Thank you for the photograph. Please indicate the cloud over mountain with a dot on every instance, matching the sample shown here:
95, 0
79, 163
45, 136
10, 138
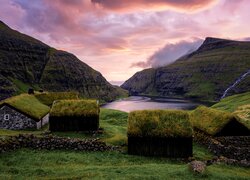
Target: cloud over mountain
169, 53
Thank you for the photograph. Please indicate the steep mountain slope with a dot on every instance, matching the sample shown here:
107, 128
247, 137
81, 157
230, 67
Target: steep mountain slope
25, 62
204, 74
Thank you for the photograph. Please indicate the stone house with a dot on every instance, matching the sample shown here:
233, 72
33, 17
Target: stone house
23, 112
16, 119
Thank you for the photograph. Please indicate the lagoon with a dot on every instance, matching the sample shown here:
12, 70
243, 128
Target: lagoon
133, 103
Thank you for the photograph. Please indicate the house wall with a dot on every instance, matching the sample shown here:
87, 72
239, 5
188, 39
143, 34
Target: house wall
74, 123
17, 121
44, 121
234, 128
161, 146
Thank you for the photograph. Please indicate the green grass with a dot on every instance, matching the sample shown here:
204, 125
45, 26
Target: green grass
31, 164
43, 164
75, 108
238, 104
24, 102
22, 87
231, 103
114, 124
210, 120
48, 98
159, 123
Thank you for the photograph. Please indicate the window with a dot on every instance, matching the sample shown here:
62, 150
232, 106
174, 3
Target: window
6, 117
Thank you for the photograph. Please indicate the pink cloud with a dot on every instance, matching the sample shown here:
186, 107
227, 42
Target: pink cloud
133, 5
110, 35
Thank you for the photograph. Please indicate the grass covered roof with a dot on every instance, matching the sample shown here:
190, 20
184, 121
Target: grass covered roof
29, 105
211, 120
49, 97
75, 108
243, 112
159, 123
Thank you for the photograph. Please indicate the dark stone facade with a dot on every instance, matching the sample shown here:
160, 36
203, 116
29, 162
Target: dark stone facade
74, 123
15, 120
161, 146
234, 128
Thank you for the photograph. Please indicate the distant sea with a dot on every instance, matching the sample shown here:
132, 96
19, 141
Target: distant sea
117, 83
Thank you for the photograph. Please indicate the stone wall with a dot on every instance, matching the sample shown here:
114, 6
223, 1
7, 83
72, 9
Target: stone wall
52, 143
234, 147
17, 121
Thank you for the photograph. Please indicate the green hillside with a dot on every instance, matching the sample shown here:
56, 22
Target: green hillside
204, 74
231, 103
239, 104
26, 62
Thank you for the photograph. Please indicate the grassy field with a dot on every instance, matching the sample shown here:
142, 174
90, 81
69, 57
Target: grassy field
28, 164
238, 104
34, 164
231, 103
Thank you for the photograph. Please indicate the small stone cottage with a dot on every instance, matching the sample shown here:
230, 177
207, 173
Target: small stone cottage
23, 112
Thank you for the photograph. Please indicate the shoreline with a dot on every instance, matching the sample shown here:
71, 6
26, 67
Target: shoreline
154, 97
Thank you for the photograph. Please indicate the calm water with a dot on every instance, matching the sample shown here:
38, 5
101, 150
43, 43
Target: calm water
139, 103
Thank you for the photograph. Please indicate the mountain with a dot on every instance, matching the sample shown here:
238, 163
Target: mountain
26, 62
204, 74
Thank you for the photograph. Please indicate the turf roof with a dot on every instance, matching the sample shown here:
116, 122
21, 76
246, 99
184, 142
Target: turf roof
49, 97
159, 123
243, 112
75, 108
211, 120
29, 105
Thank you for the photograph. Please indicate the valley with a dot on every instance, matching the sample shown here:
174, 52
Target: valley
204, 74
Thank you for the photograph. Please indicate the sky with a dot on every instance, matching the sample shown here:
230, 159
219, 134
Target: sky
121, 37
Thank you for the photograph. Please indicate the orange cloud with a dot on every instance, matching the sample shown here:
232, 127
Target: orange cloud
135, 5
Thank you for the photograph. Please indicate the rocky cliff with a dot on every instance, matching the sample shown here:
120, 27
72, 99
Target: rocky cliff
26, 62
204, 74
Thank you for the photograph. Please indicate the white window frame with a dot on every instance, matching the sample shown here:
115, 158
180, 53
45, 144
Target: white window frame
6, 117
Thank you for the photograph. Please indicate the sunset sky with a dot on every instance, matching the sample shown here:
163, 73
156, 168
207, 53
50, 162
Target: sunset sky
121, 37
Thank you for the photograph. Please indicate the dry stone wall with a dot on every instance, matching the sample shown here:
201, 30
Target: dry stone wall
235, 148
53, 143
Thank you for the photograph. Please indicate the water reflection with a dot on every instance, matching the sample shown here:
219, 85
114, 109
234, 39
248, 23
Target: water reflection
139, 103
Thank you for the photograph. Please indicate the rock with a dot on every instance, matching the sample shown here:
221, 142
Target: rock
198, 166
